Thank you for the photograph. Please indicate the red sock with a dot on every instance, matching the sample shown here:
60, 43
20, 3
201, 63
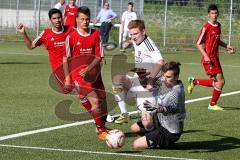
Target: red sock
96, 114
86, 104
98, 117
215, 96
204, 82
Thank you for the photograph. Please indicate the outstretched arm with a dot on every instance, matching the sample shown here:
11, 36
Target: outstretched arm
27, 40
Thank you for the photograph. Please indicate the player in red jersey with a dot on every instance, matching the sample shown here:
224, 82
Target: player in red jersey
54, 40
82, 66
208, 43
70, 13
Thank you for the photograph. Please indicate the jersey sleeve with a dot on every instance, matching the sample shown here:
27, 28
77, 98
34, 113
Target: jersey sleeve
202, 36
123, 16
156, 54
65, 12
99, 15
113, 14
40, 39
98, 47
134, 16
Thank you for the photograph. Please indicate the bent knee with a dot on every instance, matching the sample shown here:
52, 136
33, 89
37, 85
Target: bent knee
140, 143
135, 128
220, 84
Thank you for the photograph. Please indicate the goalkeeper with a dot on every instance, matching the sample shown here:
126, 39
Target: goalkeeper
164, 125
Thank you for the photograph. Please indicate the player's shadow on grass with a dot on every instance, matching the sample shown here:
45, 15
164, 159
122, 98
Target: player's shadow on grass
131, 134
20, 63
222, 144
231, 108
192, 131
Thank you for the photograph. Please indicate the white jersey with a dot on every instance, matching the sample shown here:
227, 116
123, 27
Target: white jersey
127, 17
60, 7
146, 54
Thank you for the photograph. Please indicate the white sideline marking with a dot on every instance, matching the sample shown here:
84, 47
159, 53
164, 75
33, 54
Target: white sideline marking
93, 152
21, 134
209, 97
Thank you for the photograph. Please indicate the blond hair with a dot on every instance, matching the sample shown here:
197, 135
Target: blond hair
137, 24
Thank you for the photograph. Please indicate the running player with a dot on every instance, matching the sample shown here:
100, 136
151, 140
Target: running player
208, 43
70, 13
54, 39
82, 66
148, 63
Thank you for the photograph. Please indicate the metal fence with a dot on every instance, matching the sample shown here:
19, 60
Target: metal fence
172, 24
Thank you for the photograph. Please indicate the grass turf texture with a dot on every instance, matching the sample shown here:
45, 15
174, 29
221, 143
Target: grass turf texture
28, 103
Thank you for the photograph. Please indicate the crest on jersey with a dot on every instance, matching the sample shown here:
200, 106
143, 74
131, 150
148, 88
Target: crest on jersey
138, 59
139, 53
78, 43
52, 39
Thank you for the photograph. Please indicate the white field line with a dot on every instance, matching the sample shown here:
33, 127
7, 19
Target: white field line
21, 134
94, 152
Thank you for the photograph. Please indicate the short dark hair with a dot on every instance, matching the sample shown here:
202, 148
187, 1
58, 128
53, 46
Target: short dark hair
172, 66
54, 11
85, 10
130, 3
212, 7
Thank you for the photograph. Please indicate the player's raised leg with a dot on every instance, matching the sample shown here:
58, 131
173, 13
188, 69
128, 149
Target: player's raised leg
120, 85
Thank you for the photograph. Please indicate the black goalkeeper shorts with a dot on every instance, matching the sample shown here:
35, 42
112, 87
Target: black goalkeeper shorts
159, 137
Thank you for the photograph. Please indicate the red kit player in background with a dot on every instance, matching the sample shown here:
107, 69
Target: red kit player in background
208, 43
70, 13
54, 40
82, 67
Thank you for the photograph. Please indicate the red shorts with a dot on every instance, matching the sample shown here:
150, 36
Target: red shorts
213, 68
84, 87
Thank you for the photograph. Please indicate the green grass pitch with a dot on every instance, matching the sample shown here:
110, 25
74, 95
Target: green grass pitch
28, 103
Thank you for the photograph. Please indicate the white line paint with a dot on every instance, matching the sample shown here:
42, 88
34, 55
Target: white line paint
21, 134
94, 152
209, 97
44, 130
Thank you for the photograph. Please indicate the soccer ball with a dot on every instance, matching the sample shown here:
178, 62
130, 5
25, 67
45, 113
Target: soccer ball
115, 139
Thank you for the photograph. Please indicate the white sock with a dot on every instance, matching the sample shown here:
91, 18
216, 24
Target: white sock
122, 106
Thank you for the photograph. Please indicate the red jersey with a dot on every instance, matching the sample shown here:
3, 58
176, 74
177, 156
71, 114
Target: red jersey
210, 37
82, 50
70, 14
54, 43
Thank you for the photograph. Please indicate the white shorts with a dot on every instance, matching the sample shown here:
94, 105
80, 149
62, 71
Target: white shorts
140, 93
125, 35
